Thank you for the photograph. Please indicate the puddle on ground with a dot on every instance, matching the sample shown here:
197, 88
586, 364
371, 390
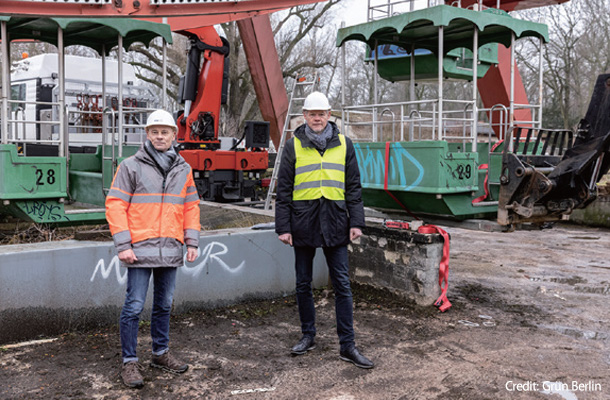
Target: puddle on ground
584, 237
569, 281
577, 333
605, 290
598, 266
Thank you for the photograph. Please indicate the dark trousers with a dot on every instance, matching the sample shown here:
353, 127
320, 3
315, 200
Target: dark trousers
336, 258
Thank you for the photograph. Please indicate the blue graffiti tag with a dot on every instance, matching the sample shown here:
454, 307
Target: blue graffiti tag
372, 166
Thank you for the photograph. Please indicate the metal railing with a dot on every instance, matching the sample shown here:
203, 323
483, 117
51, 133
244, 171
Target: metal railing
379, 9
415, 119
111, 142
535, 110
502, 124
14, 122
22, 130
89, 133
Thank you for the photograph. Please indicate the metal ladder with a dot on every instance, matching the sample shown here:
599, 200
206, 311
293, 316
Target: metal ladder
300, 89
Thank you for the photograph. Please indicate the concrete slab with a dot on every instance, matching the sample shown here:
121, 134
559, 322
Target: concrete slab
54, 287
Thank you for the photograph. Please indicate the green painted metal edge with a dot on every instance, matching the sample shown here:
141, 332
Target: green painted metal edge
429, 177
456, 206
30, 177
90, 32
457, 64
421, 29
87, 187
50, 212
426, 67
487, 54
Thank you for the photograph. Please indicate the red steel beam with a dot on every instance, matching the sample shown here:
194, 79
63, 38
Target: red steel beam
494, 87
210, 13
259, 46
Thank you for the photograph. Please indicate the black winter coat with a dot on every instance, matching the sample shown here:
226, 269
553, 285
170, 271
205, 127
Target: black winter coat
320, 222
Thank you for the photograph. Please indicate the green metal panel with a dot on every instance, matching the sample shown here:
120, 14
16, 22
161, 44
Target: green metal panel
49, 212
86, 179
34, 188
421, 167
428, 177
457, 64
420, 28
86, 187
394, 63
31, 177
41, 211
90, 162
90, 32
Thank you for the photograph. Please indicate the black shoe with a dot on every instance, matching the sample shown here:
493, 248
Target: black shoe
305, 344
353, 355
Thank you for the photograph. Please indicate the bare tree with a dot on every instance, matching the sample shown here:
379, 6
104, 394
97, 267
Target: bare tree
148, 63
242, 104
360, 79
304, 37
577, 52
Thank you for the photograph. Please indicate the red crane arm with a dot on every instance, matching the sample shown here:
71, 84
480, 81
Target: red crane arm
202, 86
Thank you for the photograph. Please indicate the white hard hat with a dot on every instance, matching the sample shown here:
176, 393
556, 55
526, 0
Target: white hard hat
161, 117
316, 101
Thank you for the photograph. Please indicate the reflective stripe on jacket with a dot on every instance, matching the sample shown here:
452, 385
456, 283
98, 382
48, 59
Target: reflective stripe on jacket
318, 175
151, 213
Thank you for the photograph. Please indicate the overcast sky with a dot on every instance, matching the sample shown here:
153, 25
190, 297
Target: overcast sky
354, 11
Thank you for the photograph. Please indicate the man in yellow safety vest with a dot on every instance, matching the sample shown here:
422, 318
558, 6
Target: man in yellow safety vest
319, 204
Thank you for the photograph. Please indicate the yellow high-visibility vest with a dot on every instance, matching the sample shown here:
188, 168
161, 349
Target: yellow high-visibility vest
319, 175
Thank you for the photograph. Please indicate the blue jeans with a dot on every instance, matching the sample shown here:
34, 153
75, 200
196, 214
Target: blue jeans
336, 258
164, 281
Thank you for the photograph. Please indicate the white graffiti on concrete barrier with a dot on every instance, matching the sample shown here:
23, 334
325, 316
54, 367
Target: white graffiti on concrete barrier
114, 263
211, 252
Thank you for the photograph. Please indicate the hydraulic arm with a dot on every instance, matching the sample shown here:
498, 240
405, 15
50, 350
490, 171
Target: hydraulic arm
551, 173
222, 172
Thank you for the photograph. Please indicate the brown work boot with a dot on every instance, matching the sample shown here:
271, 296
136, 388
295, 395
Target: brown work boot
130, 373
169, 363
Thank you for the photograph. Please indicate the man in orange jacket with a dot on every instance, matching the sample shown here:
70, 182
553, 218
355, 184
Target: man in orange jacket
153, 210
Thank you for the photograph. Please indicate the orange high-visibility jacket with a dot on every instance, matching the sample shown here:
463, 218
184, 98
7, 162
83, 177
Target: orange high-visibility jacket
152, 214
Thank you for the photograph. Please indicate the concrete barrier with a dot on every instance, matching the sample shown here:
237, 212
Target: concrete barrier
54, 287
402, 261
596, 213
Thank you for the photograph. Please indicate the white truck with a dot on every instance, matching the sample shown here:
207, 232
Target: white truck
34, 80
